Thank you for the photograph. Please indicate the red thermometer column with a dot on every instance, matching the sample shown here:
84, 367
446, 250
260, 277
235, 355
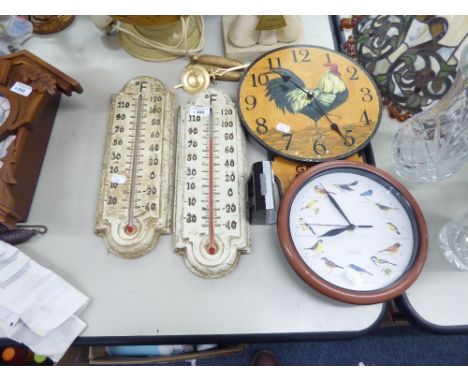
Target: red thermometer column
212, 247
134, 165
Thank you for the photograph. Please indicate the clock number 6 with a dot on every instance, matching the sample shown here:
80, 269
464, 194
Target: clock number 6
319, 148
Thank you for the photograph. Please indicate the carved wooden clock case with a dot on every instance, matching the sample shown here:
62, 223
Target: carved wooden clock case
31, 90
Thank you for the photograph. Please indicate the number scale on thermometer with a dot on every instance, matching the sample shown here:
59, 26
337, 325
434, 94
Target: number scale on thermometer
135, 199
211, 229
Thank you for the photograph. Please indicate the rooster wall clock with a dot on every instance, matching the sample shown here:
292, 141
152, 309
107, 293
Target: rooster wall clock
309, 104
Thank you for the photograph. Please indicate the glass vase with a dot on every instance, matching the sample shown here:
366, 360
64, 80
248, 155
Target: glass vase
453, 239
433, 145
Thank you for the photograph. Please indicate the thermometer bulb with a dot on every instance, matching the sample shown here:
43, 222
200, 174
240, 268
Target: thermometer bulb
212, 249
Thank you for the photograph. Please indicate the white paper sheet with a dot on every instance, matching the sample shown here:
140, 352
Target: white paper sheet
37, 307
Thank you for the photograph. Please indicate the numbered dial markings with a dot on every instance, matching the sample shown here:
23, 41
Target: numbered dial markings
211, 230
136, 189
309, 103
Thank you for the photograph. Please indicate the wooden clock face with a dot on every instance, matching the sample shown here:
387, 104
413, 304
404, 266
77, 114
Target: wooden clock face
352, 232
4, 109
309, 104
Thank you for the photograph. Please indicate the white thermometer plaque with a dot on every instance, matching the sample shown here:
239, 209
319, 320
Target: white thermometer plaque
211, 228
135, 199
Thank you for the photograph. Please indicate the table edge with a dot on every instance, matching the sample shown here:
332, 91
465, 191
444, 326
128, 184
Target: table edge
221, 339
404, 304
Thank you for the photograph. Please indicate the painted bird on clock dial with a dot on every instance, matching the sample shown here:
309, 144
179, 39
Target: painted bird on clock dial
291, 94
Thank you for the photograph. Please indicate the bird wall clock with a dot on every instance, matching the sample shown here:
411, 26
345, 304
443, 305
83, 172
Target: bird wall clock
353, 232
309, 104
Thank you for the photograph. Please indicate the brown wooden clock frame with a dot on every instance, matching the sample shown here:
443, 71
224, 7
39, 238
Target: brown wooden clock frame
313, 279
31, 119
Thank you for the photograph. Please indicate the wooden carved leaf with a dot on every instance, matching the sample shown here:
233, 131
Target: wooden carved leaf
38, 79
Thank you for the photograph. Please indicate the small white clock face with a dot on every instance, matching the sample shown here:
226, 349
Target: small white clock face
4, 109
372, 248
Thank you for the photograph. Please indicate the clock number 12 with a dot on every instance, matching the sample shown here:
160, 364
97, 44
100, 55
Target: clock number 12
301, 55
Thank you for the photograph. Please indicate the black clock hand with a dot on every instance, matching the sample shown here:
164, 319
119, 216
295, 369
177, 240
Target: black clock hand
338, 225
337, 130
287, 78
335, 204
337, 231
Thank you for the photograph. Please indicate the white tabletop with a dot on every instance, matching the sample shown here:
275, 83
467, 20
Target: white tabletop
156, 295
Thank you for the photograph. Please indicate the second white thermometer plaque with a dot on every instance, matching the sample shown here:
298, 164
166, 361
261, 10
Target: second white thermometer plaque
211, 228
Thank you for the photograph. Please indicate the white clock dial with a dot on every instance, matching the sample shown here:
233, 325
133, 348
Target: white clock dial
4, 109
368, 248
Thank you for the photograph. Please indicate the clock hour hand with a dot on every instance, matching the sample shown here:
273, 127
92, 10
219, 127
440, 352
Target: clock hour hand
287, 78
337, 231
335, 204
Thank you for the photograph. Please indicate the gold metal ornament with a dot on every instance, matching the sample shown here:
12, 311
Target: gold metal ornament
195, 78
50, 24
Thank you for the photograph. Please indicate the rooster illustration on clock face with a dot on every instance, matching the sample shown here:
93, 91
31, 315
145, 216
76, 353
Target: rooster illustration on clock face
309, 103
290, 93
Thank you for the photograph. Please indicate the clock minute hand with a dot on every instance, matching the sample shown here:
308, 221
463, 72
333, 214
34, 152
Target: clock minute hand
335, 204
333, 125
339, 225
337, 130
